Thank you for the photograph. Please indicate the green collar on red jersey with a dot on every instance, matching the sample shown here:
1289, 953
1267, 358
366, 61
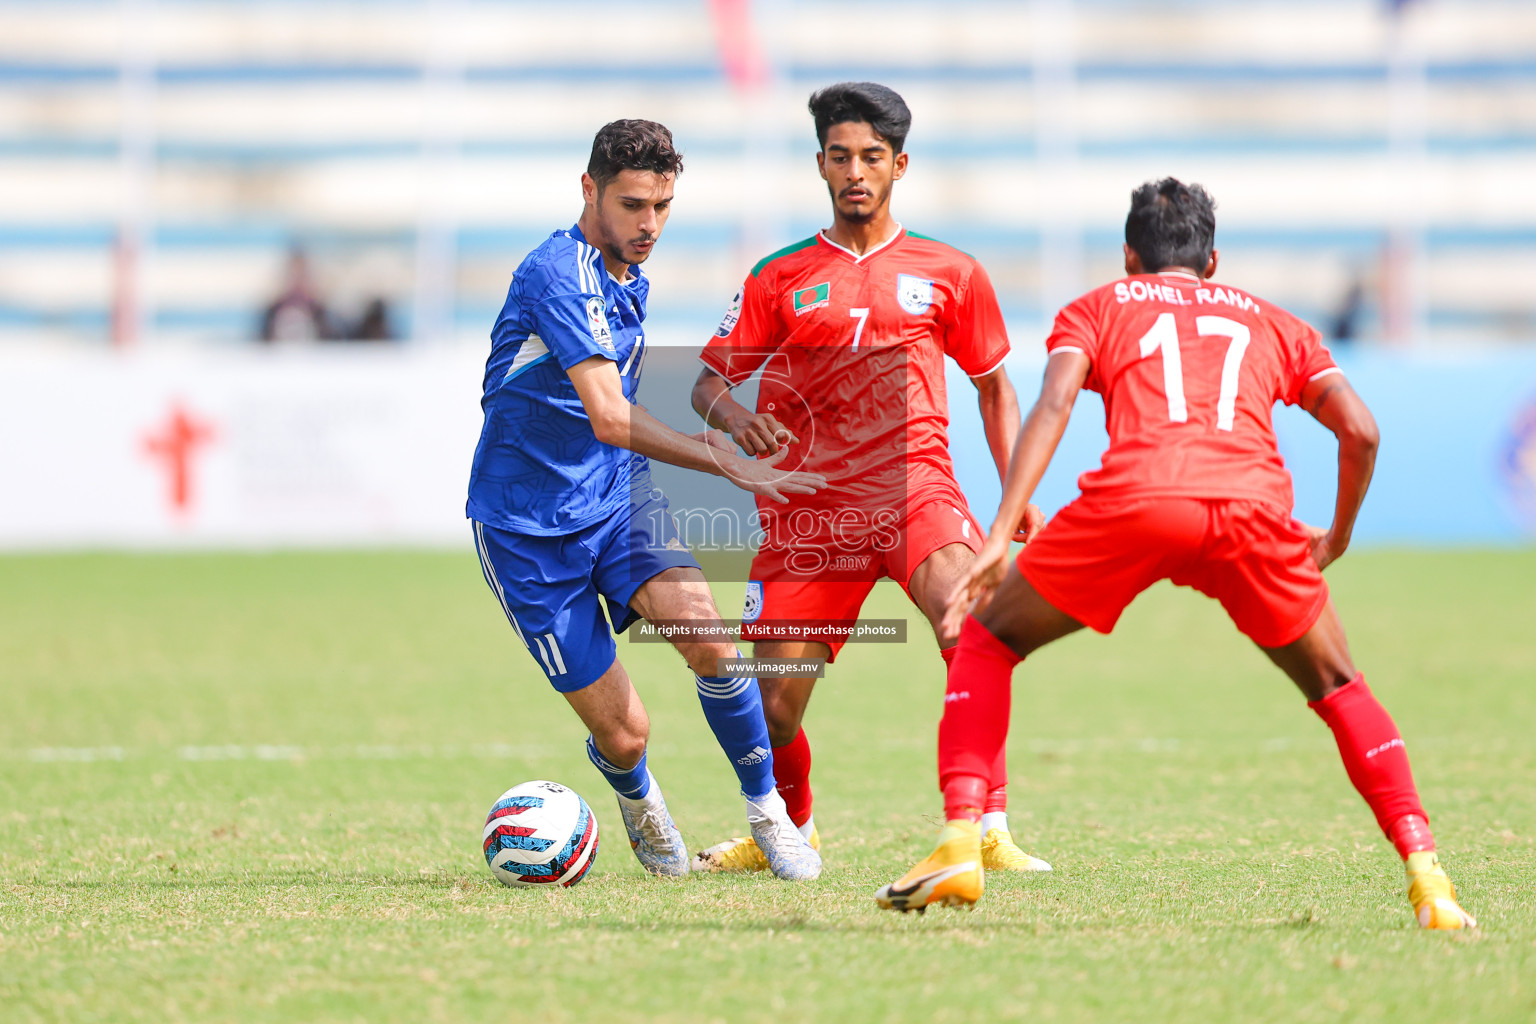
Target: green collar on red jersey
793, 247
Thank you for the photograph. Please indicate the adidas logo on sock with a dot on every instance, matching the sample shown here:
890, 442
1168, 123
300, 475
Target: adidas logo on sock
757, 756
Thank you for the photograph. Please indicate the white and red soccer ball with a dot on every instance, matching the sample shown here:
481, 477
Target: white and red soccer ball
540, 833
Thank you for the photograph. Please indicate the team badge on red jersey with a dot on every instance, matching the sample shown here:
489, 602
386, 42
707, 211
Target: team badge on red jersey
814, 297
914, 293
753, 606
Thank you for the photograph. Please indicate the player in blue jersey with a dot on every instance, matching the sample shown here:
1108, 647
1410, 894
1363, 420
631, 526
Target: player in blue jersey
566, 518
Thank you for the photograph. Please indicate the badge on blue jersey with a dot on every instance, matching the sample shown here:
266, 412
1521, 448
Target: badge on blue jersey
597, 320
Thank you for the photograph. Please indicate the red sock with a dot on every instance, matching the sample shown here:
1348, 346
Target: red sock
1411, 834
997, 784
1377, 763
964, 796
975, 723
792, 776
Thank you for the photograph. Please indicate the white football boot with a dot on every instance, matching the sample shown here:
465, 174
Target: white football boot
790, 854
657, 843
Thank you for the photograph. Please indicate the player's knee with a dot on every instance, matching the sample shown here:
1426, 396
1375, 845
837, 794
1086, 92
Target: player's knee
1315, 674
781, 734
782, 716
632, 748
705, 659
624, 744
1332, 677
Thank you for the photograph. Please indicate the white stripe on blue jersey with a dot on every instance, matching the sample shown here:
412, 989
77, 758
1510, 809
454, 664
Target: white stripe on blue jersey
532, 350
587, 263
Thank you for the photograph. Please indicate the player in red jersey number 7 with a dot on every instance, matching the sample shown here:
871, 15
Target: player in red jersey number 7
848, 333
1191, 489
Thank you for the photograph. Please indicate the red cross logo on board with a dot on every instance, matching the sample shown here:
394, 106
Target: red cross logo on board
173, 445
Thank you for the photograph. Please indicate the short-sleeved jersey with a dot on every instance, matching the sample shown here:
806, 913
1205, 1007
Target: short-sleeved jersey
539, 468
852, 353
1190, 372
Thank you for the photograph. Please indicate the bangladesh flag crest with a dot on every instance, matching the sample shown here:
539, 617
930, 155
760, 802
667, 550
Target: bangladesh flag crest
813, 297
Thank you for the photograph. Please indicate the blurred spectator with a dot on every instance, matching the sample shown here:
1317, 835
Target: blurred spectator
373, 325
297, 314
1346, 322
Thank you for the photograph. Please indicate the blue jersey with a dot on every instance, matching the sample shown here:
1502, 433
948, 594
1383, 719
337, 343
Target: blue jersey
539, 468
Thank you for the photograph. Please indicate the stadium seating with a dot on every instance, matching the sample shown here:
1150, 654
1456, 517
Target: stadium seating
358, 128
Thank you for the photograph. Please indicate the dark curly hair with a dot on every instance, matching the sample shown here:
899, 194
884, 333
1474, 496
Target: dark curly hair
1171, 224
630, 145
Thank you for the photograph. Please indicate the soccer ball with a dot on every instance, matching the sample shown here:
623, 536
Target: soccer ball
540, 833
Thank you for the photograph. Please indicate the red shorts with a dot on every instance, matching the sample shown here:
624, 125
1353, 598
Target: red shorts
1095, 556
829, 581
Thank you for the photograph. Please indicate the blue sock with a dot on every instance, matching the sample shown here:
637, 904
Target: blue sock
631, 784
734, 709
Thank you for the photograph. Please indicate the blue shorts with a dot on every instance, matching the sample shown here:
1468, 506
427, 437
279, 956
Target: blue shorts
553, 588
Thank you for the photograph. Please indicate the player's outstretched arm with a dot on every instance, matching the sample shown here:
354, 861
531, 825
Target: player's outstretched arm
1334, 404
1043, 427
999, 406
756, 433
617, 422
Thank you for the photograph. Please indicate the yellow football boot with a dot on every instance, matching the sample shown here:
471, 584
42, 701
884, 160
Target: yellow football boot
740, 854
950, 876
1000, 853
1433, 896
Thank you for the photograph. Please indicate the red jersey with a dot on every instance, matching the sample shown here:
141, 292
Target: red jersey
1190, 372
852, 352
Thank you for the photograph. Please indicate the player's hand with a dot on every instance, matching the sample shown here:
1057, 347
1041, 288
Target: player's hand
715, 439
760, 434
976, 588
762, 476
1326, 548
1030, 525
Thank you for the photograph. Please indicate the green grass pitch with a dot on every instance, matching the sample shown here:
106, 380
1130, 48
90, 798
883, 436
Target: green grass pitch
251, 788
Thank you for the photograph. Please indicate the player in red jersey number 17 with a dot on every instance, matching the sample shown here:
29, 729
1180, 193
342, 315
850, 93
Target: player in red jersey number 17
1191, 489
